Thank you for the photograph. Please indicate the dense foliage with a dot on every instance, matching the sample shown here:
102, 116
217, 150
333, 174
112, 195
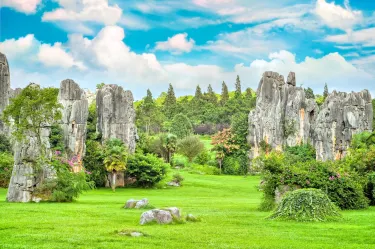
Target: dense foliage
344, 187
306, 205
32, 109
5, 145
208, 111
146, 169
181, 126
67, 186
6, 167
373, 109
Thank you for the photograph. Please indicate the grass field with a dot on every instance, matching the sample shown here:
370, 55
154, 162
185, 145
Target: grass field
226, 204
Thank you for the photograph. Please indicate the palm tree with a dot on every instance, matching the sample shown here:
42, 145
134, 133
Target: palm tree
115, 158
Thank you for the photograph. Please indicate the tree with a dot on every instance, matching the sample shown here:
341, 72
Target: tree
238, 92
115, 158
148, 115
32, 110
211, 96
249, 93
100, 86
326, 92
223, 143
190, 147
170, 103
224, 94
165, 146
181, 126
309, 93
239, 129
198, 93
373, 108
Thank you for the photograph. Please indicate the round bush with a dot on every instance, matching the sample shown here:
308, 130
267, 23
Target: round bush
306, 205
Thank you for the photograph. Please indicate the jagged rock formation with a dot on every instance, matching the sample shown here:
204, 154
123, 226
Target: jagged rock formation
4, 87
27, 175
283, 116
74, 117
342, 115
116, 115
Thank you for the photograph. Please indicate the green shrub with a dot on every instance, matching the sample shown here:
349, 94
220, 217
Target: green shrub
203, 157
235, 165
67, 186
179, 161
6, 167
301, 153
190, 147
177, 178
370, 188
146, 169
344, 188
306, 205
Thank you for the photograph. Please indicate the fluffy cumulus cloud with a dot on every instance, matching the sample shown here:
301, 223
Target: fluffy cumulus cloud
25, 6
73, 14
176, 44
56, 56
336, 16
16, 47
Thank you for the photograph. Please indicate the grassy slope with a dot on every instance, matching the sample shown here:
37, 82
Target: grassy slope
227, 205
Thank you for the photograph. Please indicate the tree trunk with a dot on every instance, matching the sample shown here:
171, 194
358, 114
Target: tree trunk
113, 185
220, 163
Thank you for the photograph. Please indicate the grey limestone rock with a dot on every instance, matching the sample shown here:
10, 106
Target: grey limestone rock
116, 115
282, 116
28, 171
136, 204
285, 117
25, 177
342, 116
161, 216
4, 87
74, 117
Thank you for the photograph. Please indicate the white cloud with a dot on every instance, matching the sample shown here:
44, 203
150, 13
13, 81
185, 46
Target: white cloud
253, 42
56, 56
25, 6
176, 44
336, 16
98, 11
16, 47
363, 37
134, 22
107, 58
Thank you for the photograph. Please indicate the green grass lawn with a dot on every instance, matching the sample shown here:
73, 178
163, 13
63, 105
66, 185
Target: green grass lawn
226, 204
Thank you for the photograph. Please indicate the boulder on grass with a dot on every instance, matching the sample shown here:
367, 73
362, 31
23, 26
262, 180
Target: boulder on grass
160, 216
136, 204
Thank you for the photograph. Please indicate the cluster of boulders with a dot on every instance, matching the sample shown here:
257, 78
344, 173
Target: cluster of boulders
160, 216
285, 117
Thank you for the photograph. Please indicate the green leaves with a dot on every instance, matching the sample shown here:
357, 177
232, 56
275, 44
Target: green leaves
32, 109
306, 205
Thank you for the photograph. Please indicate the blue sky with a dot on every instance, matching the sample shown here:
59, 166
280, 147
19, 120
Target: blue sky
149, 44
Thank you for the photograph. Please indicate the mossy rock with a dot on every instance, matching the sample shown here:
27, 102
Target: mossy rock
306, 205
